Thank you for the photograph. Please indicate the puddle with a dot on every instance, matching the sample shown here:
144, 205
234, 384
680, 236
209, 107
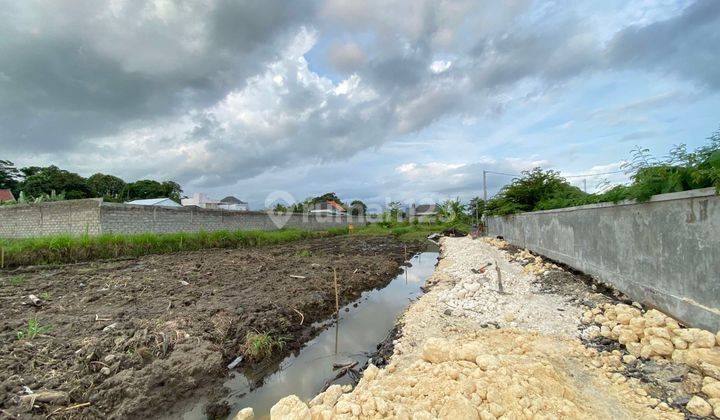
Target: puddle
357, 334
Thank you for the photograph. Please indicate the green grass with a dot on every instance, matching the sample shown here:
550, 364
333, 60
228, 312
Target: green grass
305, 253
404, 232
32, 330
261, 345
68, 249
16, 280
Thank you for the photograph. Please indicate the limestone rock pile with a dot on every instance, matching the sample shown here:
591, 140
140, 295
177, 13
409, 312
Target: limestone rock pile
500, 374
497, 243
478, 296
654, 335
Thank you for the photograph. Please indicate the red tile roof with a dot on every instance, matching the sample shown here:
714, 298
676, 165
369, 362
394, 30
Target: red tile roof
6, 195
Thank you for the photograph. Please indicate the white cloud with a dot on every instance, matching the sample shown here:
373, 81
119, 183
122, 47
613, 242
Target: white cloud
440, 66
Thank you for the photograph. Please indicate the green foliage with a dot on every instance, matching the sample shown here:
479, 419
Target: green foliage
454, 211
679, 171
35, 184
258, 345
305, 253
357, 207
107, 186
533, 190
147, 188
67, 249
32, 330
49, 180
331, 196
9, 176
16, 280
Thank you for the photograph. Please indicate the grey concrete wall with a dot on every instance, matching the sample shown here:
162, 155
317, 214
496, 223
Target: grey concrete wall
73, 217
124, 218
664, 253
92, 216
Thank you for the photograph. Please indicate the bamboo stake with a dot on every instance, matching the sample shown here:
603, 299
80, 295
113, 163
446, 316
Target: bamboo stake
499, 277
337, 299
2, 257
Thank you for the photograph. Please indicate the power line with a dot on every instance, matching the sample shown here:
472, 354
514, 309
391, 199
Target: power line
564, 176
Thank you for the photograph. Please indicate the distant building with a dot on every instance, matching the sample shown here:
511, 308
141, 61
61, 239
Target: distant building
161, 202
6, 195
424, 212
200, 200
203, 201
233, 204
328, 207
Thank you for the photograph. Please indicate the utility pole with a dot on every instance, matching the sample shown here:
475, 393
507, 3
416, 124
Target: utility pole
585, 185
484, 185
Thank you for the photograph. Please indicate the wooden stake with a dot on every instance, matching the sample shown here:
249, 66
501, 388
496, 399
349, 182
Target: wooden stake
337, 299
2, 257
497, 270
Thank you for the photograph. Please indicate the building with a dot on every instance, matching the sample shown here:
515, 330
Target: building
328, 207
424, 212
200, 200
233, 204
161, 202
6, 195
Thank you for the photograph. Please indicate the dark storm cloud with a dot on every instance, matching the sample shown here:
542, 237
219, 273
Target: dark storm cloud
70, 78
214, 92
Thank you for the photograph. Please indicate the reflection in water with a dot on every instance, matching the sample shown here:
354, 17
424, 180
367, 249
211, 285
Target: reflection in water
357, 333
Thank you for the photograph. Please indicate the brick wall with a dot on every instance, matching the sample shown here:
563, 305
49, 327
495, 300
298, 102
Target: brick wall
74, 217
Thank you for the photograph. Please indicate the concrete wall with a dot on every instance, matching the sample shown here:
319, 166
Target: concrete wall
664, 253
75, 217
93, 216
123, 218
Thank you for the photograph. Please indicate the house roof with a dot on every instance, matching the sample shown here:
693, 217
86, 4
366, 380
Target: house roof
232, 200
6, 195
152, 201
426, 208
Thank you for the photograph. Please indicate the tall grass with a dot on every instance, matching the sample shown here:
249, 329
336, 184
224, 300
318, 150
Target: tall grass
67, 249
403, 231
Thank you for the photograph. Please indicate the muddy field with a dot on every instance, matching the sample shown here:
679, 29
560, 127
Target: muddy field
131, 338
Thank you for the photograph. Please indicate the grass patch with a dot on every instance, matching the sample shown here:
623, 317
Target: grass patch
32, 330
68, 249
16, 280
261, 345
404, 231
305, 253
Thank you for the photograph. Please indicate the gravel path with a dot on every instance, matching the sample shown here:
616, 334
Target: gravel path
452, 361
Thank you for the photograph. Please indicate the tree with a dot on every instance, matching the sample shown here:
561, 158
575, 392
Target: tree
107, 186
453, 211
534, 190
147, 188
331, 196
280, 208
357, 207
476, 207
49, 180
9, 176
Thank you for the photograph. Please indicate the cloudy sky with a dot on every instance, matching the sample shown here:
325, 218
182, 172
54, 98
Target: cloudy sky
376, 100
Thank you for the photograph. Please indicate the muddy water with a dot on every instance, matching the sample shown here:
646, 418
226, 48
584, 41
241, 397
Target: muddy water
362, 325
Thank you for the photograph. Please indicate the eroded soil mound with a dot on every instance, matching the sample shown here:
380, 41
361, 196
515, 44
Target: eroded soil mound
129, 338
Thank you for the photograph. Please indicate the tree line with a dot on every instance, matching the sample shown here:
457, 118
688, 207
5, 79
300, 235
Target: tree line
680, 170
50, 183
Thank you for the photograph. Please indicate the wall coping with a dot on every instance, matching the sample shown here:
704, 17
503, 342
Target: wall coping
99, 202
697, 193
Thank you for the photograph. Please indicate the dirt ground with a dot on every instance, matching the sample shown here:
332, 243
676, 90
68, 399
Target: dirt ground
129, 338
